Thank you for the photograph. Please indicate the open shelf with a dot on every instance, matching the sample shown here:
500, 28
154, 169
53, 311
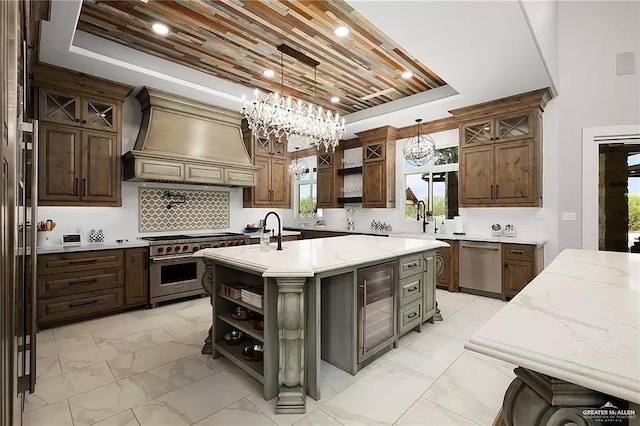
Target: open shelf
245, 326
234, 354
347, 200
242, 303
350, 171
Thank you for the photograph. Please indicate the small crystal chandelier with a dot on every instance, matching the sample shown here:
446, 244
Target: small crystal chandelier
274, 115
298, 168
419, 149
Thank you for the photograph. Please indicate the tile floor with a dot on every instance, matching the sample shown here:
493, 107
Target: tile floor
145, 368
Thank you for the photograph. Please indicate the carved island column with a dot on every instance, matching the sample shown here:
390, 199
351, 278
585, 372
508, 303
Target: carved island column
291, 341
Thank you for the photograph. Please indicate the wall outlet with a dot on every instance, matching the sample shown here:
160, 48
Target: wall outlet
568, 216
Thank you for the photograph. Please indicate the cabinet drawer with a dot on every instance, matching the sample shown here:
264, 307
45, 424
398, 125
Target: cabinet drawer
83, 261
78, 282
517, 252
409, 316
410, 265
65, 307
409, 289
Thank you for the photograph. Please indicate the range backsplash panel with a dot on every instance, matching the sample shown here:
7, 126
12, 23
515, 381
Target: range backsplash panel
201, 210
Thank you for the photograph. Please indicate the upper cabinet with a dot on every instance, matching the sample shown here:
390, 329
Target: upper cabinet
378, 167
501, 151
273, 186
80, 138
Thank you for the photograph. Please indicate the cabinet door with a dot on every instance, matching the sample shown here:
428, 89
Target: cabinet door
373, 183
515, 181
100, 114
136, 283
262, 190
516, 275
100, 168
59, 164
278, 147
477, 133
373, 151
429, 282
325, 188
476, 176
262, 145
59, 107
280, 183
514, 127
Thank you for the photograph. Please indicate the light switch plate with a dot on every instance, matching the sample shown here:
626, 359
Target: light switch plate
568, 216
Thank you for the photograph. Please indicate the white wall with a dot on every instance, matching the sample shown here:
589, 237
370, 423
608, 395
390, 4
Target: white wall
542, 18
591, 94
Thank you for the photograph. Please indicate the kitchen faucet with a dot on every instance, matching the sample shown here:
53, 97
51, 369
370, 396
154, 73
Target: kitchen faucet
279, 228
424, 215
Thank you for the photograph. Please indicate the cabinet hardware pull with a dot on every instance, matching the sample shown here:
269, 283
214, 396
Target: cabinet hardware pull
517, 251
497, 192
75, 305
413, 315
77, 120
84, 121
75, 186
364, 293
84, 187
413, 264
414, 288
83, 281
492, 192
81, 262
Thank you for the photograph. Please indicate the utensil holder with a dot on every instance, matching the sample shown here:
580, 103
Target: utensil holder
45, 238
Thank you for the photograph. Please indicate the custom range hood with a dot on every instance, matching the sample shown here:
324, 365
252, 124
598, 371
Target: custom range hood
186, 141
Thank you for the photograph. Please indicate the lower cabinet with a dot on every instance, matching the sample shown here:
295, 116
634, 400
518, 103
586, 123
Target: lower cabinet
416, 290
520, 265
81, 285
429, 293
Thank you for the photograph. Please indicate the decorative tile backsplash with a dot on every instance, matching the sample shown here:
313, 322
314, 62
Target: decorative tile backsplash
201, 210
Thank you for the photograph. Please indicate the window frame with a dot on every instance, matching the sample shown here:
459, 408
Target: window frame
312, 162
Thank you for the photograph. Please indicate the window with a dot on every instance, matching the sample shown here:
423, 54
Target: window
435, 183
306, 190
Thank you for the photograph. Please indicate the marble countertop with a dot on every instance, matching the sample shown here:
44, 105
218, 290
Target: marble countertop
304, 258
111, 245
338, 229
472, 237
285, 233
579, 321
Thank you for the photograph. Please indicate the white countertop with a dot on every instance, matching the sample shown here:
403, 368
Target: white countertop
338, 229
284, 234
471, 237
304, 258
577, 321
112, 245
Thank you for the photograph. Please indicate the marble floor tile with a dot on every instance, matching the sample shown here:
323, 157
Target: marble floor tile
449, 306
45, 336
472, 388
317, 418
111, 348
33, 402
126, 418
491, 359
145, 324
85, 326
216, 364
241, 413
382, 396
148, 358
430, 354
65, 344
461, 325
134, 315
197, 310
106, 401
269, 409
73, 383
198, 400
424, 412
47, 367
484, 307
462, 297
169, 377
177, 306
56, 414
193, 325
334, 380
196, 340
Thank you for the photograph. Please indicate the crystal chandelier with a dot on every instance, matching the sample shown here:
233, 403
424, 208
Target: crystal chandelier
419, 149
272, 114
298, 168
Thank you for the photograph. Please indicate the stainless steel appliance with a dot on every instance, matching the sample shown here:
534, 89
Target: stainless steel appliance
174, 273
481, 268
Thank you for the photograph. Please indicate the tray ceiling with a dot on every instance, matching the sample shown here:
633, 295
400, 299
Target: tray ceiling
237, 40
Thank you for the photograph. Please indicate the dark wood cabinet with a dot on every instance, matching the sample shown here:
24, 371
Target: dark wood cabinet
379, 167
477, 173
515, 180
60, 162
326, 191
100, 168
136, 283
447, 266
520, 265
280, 183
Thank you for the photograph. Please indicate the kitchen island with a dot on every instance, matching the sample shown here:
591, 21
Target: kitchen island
574, 332
340, 299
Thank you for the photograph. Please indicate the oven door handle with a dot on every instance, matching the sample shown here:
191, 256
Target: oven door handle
179, 257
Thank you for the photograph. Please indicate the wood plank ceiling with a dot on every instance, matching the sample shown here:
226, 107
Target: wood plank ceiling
237, 40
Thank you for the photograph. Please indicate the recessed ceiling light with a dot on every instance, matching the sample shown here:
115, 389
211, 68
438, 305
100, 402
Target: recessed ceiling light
268, 73
335, 100
341, 31
407, 74
160, 28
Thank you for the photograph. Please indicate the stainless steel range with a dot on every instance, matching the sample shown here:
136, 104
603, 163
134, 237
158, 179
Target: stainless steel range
174, 273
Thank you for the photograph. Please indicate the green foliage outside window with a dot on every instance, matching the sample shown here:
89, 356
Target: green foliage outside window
634, 212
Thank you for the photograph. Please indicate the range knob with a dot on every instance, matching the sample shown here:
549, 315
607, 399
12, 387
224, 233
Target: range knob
160, 249
185, 248
235, 242
195, 248
223, 244
177, 248
169, 249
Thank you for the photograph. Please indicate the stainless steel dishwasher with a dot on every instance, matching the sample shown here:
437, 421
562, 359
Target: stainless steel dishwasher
481, 268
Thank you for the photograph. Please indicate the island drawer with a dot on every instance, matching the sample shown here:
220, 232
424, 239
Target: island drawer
518, 252
79, 282
409, 316
65, 307
409, 289
64, 263
410, 265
